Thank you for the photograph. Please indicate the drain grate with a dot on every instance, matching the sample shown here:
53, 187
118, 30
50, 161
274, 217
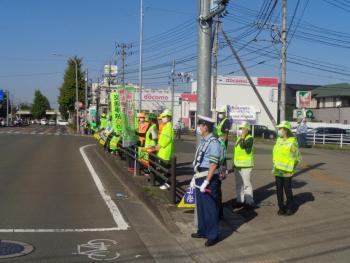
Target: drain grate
11, 249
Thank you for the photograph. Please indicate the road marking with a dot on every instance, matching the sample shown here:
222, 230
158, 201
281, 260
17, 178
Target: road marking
99, 249
117, 216
55, 230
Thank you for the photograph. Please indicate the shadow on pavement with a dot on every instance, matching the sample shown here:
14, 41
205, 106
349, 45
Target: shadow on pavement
302, 198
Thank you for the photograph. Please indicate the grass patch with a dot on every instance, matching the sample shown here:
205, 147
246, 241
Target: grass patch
155, 194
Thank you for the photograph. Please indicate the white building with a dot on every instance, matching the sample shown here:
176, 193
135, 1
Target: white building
236, 91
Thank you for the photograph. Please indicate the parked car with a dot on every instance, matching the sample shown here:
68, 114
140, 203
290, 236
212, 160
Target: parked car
62, 122
264, 132
44, 122
331, 135
52, 122
327, 130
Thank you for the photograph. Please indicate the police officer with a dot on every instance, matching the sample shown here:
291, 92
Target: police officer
206, 181
243, 162
286, 157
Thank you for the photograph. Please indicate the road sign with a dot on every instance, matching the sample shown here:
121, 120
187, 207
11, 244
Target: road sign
2, 94
309, 114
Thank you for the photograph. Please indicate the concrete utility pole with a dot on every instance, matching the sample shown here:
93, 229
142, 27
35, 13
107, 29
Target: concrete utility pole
123, 53
86, 92
141, 57
282, 102
172, 91
7, 107
204, 59
76, 93
249, 79
215, 64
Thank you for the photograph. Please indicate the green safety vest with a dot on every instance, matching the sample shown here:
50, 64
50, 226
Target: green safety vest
286, 154
240, 157
103, 123
218, 129
150, 142
166, 142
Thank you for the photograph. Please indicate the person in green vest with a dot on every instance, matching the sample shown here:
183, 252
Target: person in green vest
165, 146
93, 126
223, 125
286, 156
103, 121
243, 163
151, 138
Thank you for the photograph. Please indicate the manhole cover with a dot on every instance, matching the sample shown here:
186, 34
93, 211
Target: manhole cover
11, 249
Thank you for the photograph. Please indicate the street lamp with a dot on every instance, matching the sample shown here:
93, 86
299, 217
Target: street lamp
76, 87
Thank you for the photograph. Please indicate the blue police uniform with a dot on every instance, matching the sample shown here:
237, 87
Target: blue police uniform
207, 203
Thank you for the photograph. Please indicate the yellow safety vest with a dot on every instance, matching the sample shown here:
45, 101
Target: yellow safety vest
240, 157
150, 142
218, 129
166, 142
286, 154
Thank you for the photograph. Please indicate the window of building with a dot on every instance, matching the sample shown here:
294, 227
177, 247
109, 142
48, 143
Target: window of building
323, 102
334, 102
330, 121
345, 121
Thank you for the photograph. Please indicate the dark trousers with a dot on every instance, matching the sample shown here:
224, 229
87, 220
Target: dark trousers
208, 209
284, 186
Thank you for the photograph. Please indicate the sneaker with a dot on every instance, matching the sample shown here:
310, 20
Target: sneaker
211, 242
281, 212
197, 235
289, 212
164, 186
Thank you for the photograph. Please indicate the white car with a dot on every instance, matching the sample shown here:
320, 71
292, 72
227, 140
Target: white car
52, 122
43, 122
62, 122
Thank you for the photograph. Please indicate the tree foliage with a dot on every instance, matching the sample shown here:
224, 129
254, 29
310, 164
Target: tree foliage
40, 105
67, 96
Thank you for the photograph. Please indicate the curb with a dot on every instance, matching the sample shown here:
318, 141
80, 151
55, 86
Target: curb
136, 186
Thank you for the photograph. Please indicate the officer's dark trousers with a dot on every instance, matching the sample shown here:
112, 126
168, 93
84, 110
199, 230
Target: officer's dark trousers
284, 185
208, 209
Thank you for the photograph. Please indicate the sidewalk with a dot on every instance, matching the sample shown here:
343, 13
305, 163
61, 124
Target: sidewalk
318, 232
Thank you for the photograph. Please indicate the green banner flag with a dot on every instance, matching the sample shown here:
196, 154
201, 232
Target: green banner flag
117, 119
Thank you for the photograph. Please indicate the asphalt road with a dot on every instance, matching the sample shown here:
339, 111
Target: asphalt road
66, 201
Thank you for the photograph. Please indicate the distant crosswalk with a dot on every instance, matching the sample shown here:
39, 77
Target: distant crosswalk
38, 131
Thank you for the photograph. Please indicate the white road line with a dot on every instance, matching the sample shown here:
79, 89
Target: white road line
55, 230
117, 216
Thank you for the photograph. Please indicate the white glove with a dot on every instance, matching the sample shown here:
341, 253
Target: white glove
193, 183
204, 185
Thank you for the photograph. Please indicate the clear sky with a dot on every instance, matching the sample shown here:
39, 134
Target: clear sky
32, 30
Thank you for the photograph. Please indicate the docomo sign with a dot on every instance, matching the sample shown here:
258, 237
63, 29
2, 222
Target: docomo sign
259, 81
156, 97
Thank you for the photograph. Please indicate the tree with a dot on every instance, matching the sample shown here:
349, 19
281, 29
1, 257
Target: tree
40, 105
67, 96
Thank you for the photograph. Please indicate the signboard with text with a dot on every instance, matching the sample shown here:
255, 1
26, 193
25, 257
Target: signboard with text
239, 113
303, 99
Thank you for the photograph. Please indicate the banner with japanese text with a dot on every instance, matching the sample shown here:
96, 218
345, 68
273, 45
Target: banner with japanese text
117, 119
127, 108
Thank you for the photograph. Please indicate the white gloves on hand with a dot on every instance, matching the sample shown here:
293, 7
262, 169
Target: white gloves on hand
204, 185
193, 183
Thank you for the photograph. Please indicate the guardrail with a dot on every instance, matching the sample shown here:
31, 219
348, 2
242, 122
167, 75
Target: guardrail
159, 169
338, 139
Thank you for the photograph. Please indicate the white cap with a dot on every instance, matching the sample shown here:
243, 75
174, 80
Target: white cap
206, 119
222, 109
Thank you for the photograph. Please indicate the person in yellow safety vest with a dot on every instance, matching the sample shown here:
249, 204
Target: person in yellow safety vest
286, 156
160, 124
103, 121
151, 138
222, 129
243, 162
142, 128
165, 146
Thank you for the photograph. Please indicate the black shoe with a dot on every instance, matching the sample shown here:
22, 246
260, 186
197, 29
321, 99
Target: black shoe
281, 212
289, 212
211, 242
197, 235
239, 205
251, 206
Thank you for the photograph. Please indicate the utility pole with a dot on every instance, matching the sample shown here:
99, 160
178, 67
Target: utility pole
98, 101
215, 64
7, 107
86, 92
282, 102
249, 79
204, 58
76, 93
123, 53
141, 57
172, 91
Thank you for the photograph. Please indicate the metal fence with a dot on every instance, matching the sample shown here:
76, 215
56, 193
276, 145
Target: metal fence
337, 139
159, 169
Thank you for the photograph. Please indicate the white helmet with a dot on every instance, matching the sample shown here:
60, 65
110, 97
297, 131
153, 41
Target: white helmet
222, 109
